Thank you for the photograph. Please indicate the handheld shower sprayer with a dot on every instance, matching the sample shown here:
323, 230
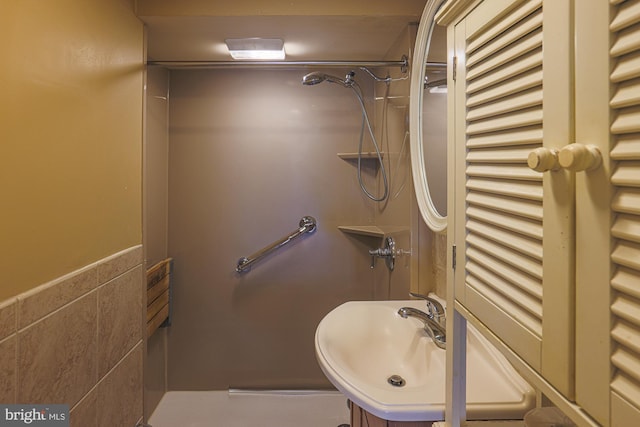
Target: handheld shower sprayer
314, 78
317, 77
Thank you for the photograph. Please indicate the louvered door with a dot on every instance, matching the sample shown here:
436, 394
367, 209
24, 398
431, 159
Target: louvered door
550, 260
608, 211
516, 229
625, 179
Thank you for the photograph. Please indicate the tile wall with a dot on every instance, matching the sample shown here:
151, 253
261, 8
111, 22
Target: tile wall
78, 340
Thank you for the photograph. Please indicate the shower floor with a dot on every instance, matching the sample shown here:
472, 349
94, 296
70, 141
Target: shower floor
244, 409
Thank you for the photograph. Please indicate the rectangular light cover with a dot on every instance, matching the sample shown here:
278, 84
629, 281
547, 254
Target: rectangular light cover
256, 48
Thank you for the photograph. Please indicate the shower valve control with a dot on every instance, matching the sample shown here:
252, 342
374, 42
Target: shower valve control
388, 252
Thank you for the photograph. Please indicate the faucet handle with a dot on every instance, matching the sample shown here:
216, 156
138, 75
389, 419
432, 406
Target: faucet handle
436, 310
388, 251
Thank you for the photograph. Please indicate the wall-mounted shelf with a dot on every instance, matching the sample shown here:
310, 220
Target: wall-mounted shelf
370, 163
381, 231
354, 156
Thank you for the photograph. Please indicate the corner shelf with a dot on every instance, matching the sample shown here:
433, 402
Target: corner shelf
370, 162
372, 230
371, 155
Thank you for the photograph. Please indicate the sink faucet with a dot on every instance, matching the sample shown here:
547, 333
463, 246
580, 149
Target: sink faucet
434, 321
436, 310
433, 328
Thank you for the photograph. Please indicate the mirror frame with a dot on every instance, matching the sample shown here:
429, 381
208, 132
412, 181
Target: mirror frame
434, 220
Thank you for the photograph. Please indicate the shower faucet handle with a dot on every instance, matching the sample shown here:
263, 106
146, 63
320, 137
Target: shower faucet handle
376, 253
388, 252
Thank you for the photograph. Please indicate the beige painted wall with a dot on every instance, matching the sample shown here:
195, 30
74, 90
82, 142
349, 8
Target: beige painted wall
71, 124
251, 152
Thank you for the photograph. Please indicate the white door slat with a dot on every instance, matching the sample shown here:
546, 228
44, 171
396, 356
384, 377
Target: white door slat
626, 281
627, 174
628, 14
626, 227
489, 91
627, 309
510, 78
525, 26
627, 67
526, 44
508, 305
504, 172
627, 121
518, 119
513, 206
627, 94
518, 225
528, 190
627, 335
627, 147
508, 21
627, 41
628, 362
626, 201
627, 254
517, 154
528, 265
522, 281
507, 138
519, 101
521, 244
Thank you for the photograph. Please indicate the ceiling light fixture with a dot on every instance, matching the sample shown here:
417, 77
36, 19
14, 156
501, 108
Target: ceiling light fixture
256, 48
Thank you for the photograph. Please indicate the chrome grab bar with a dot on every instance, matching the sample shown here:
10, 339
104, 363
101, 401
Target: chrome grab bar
307, 225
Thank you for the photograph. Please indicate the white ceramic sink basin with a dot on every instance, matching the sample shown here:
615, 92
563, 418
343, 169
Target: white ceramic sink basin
360, 344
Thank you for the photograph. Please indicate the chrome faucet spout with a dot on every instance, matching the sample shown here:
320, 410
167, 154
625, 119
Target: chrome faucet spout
436, 310
435, 331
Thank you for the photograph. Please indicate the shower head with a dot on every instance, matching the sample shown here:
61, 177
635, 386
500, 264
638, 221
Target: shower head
349, 82
317, 77
314, 78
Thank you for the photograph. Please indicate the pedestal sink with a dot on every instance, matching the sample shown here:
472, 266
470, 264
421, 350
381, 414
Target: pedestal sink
389, 366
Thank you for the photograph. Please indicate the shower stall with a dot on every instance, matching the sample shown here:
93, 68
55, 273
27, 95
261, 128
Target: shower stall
248, 152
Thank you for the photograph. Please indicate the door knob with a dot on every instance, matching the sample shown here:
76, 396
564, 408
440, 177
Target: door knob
543, 159
579, 157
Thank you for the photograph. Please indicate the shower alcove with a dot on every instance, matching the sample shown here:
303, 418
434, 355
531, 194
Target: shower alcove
234, 155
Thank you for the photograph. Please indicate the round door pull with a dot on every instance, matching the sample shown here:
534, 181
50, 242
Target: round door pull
579, 157
543, 159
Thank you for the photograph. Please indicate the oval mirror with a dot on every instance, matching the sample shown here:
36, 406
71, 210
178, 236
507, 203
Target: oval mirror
428, 119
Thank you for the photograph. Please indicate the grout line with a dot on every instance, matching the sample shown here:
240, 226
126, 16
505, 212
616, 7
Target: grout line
131, 350
76, 299
96, 368
15, 372
57, 310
